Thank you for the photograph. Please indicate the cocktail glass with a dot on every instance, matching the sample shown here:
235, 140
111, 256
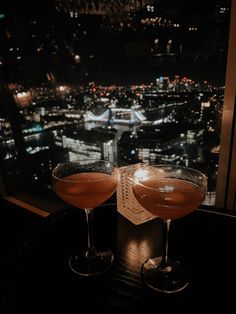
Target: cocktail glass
168, 192
86, 184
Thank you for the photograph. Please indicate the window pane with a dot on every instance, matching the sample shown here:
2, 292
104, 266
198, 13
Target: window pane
126, 81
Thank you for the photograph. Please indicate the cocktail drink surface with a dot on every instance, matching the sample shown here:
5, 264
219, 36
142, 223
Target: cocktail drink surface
168, 198
86, 190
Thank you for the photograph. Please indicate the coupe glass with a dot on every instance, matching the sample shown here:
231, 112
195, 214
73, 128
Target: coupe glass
86, 184
168, 192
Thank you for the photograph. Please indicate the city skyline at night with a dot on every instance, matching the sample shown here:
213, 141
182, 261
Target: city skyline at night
143, 83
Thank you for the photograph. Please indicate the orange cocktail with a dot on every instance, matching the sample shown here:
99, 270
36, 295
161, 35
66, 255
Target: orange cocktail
86, 190
168, 198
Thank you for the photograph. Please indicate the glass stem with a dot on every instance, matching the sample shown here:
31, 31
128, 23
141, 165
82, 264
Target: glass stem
167, 226
91, 252
165, 265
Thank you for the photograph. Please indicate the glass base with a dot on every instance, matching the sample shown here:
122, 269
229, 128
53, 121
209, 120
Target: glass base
90, 266
169, 279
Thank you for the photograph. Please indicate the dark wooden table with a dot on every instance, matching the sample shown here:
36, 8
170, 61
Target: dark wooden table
35, 277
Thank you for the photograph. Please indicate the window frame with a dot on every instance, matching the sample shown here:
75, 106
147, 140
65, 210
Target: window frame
226, 177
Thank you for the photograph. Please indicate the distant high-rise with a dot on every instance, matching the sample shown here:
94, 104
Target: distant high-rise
95, 144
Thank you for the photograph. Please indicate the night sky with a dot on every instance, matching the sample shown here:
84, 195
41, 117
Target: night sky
129, 56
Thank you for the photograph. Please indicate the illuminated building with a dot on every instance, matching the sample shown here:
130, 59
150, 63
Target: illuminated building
94, 143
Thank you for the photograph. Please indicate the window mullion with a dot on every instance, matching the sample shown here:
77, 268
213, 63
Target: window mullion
225, 183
